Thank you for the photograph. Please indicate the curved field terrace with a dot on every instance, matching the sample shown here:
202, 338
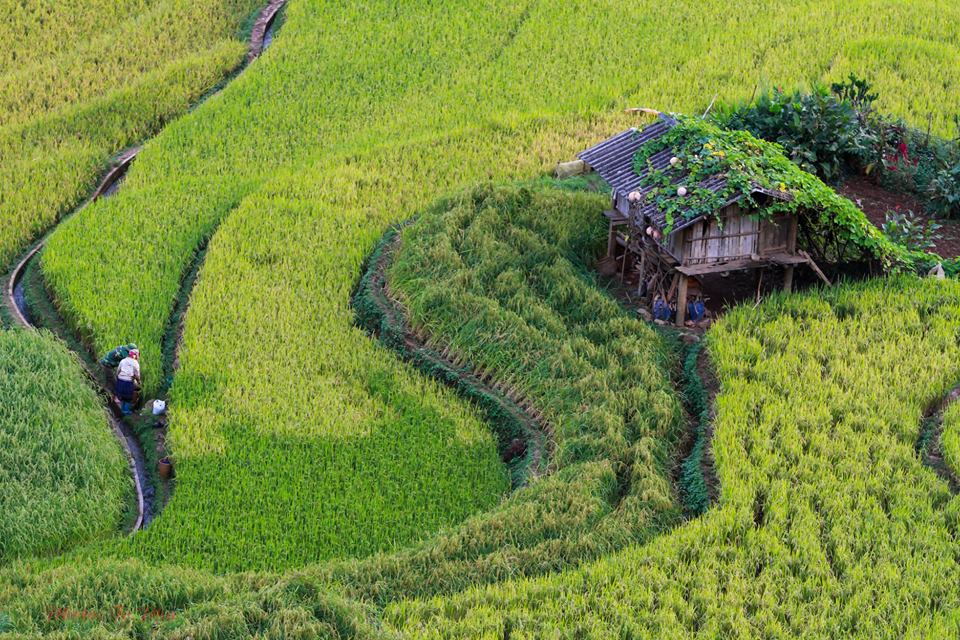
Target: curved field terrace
417, 384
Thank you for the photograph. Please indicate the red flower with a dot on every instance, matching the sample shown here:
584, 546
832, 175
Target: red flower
902, 148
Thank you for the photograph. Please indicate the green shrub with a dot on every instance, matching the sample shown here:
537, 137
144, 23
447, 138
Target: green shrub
837, 131
821, 133
908, 229
944, 191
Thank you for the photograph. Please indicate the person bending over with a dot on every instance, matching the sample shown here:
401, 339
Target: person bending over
128, 379
112, 360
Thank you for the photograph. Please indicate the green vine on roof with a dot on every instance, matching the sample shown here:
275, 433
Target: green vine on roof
704, 150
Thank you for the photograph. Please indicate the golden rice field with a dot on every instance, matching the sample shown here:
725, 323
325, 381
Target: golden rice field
82, 81
63, 476
326, 488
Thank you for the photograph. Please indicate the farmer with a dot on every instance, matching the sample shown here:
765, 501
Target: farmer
112, 360
128, 379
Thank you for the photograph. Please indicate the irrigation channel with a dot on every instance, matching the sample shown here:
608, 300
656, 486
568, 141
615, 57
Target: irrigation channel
19, 297
695, 473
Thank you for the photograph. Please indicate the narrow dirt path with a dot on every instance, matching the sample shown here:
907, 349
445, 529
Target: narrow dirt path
930, 444
261, 36
16, 303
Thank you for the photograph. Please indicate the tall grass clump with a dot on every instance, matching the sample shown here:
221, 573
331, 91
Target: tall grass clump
950, 437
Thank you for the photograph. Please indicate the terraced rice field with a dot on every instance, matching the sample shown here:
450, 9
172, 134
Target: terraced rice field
367, 499
63, 476
828, 523
82, 81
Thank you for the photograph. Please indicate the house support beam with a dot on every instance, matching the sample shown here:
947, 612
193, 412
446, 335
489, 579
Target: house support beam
682, 300
755, 262
643, 274
788, 278
816, 269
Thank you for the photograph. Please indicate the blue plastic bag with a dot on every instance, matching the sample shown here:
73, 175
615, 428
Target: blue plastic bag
696, 310
661, 310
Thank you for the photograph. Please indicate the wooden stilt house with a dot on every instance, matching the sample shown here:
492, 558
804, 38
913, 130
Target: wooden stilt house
672, 252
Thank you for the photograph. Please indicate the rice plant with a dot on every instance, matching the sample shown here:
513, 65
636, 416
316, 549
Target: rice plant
80, 82
63, 476
828, 524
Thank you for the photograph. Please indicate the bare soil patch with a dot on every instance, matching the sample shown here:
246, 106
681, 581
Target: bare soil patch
877, 201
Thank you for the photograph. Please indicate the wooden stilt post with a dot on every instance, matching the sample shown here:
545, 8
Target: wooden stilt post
612, 242
682, 301
788, 278
675, 282
791, 248
643, 272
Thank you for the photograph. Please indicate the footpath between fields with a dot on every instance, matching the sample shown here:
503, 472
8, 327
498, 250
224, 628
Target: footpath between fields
930, 441
28, 303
